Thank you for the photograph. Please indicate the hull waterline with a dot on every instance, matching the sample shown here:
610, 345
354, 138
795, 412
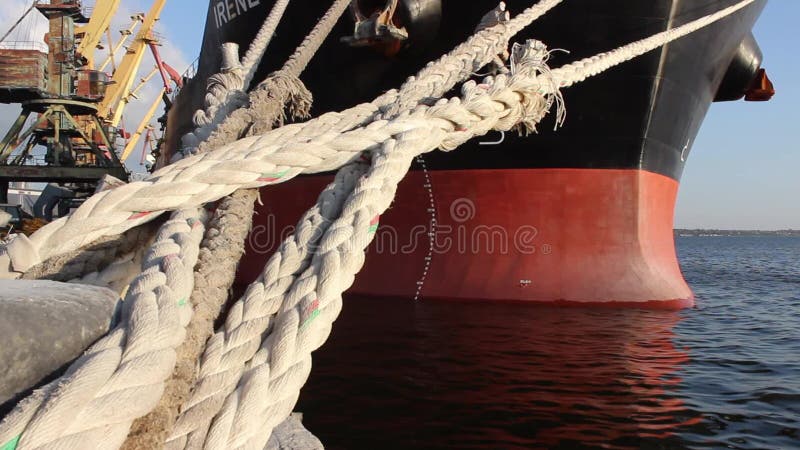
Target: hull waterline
571, 236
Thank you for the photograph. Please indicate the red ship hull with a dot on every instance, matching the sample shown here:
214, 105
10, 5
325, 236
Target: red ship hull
572, 236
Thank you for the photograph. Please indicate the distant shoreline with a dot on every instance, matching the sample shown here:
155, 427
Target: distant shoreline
734, 233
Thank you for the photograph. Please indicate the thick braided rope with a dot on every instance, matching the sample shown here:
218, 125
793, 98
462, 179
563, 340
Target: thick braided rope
218, 256
305, 318
299, 60
94, 257
218, 265
273, 111
268, 100
434, 80
482, 48
117, 275
206, 406
292, 258
220, 252
578, 71
281, 88
258, 47
251, 162
121, 377
216, 270
470, 50
241, 340
224, 93
226, 90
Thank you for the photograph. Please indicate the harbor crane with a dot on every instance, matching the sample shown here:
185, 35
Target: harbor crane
77, 106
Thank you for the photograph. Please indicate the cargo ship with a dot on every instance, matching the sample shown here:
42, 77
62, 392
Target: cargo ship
582, 214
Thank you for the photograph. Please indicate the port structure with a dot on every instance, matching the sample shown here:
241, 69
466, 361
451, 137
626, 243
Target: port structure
68, 107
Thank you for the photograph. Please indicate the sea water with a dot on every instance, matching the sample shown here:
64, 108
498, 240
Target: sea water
449, 375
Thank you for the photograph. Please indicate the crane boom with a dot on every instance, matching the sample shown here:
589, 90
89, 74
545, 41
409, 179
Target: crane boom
117, 93
134, 92
114, 48
91, 33
142, 126
78, 107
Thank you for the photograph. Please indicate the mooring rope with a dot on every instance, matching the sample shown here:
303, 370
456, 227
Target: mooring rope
292, 258
92, 258
268, 100
268, 116
579, 71
214, 273
278, 362
222, 249
121, 377
252, 59
225, 92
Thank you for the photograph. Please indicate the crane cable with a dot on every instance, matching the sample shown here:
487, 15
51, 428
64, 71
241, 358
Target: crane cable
25, 14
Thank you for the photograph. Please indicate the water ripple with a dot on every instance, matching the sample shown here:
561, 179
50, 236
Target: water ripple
433, 375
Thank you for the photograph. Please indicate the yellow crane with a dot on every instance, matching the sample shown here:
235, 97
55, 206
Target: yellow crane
136, 19
82, 99
91, 34
143, 124
118, 92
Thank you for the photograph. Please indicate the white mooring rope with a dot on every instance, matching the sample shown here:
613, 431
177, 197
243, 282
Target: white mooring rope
120, 377
224, 245
298, 322
226, 90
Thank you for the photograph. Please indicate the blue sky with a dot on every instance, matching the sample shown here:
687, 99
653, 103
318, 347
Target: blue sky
744, 171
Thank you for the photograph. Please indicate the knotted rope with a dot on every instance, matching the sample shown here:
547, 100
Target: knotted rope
268, 100
226, 90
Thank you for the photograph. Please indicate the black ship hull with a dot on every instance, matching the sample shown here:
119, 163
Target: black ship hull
598, 192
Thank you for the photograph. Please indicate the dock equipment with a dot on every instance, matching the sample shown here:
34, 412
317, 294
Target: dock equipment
68, 107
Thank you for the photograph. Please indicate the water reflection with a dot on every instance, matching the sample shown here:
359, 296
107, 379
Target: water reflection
397, 374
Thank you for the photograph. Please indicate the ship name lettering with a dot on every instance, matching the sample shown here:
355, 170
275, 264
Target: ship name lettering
227, 10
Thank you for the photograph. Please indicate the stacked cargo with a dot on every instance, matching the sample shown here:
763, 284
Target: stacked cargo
23, 72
